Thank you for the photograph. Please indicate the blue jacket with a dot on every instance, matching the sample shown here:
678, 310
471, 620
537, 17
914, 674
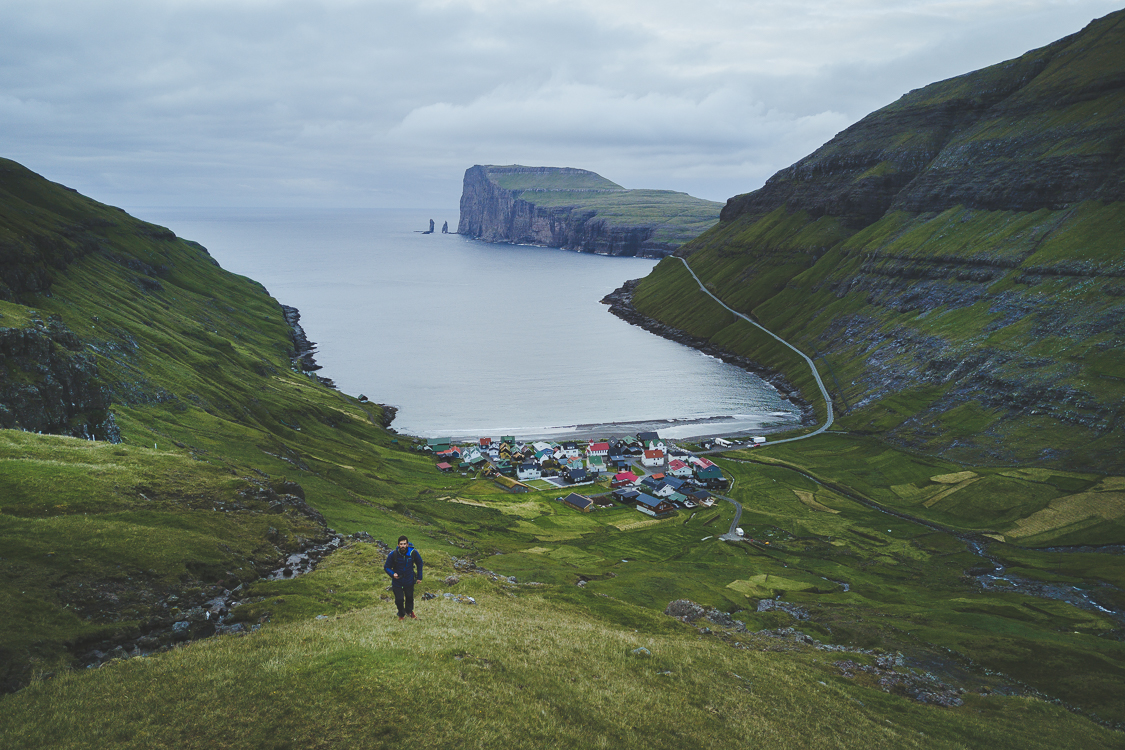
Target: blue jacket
404, 566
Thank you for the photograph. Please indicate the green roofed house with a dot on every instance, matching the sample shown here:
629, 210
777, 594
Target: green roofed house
510, 440
712, 476
439, 444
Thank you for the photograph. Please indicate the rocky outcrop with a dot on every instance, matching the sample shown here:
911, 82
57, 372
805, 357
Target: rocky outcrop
50, 383
303, 354
565, 207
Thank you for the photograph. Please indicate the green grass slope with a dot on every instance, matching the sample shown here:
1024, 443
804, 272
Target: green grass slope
953, 261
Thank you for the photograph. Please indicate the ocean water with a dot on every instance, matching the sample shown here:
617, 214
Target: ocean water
468, 338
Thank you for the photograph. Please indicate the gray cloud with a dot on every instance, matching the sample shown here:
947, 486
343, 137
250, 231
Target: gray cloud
247, 102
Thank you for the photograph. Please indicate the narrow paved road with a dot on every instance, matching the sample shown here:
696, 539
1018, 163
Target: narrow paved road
732, 535
816, 375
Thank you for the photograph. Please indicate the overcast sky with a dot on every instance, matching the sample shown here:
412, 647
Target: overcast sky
385, 104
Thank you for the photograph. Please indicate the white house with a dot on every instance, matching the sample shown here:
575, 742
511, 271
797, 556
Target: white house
678, 468
653, 457
527, 471
595, 463
570, 450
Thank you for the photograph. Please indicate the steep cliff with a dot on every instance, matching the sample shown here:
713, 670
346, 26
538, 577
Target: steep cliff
954, 259
577, 210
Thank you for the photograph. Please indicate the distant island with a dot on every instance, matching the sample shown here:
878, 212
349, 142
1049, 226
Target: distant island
578, 210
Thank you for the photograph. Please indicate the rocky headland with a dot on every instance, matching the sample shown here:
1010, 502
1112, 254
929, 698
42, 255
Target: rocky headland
577, 210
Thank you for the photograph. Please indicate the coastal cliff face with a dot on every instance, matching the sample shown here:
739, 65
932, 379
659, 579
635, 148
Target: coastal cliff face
577, 210
954, 259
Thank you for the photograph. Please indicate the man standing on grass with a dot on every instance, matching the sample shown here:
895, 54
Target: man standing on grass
400, 567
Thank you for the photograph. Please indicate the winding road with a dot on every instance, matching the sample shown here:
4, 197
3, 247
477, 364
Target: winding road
732, 535
816, 374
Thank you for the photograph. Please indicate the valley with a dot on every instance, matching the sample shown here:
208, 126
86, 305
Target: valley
941, 566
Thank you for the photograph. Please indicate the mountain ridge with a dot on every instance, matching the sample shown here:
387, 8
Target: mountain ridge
954, 257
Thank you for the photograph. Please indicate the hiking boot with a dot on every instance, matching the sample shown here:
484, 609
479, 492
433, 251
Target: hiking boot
413, 616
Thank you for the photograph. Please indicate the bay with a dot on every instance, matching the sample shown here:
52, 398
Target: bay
468, 338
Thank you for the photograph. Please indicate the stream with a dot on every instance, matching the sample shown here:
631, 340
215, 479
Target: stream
210, 617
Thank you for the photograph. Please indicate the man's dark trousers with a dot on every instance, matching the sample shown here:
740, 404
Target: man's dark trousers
404, 599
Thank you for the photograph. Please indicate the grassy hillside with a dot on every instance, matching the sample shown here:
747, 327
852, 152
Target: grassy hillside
497, 675
517, 178
231, 457
674, 217
953, 261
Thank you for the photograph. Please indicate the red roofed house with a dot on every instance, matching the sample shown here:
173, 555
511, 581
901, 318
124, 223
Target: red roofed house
485, 442
444, 466
597, 449
624, 479
653, 457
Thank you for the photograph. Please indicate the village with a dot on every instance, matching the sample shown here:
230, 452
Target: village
643, 471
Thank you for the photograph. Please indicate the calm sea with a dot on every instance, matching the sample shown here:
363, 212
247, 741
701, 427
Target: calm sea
468, 338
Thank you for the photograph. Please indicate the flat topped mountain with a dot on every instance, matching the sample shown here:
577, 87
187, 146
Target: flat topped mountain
578, 210
550, 179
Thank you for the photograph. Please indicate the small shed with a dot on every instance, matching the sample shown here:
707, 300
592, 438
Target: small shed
581, 502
